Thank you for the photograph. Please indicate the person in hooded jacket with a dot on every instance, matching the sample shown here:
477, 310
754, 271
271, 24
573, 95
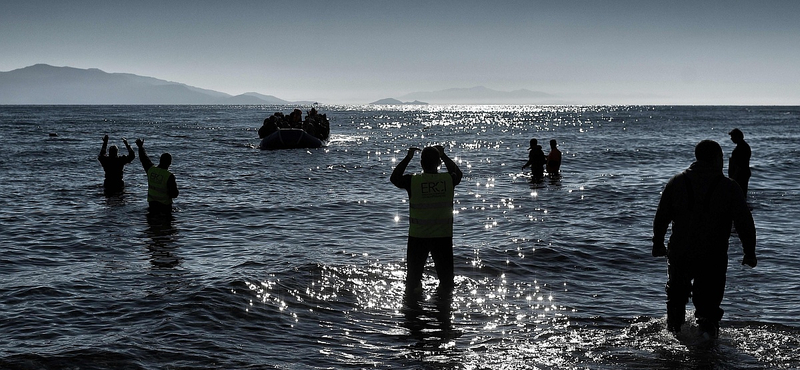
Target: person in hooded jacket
701, 203
113, 165
536, 160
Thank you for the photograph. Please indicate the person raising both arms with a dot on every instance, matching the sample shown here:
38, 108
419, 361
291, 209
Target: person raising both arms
430, 209
113, 165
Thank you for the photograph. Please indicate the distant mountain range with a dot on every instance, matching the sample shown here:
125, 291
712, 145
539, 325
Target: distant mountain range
393, 101
45, 84
481, 95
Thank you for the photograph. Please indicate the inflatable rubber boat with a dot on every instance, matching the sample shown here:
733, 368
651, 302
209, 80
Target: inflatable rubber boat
290, 138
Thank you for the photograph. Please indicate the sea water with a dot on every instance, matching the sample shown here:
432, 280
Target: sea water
294, 259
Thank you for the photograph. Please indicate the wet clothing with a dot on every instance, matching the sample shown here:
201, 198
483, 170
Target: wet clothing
739, 165
700, 203
536, 160
157, 188
440, 249
430, 221
113, 167
161, 185
553, 161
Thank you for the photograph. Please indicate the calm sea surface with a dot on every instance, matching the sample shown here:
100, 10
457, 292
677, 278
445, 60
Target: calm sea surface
294, 259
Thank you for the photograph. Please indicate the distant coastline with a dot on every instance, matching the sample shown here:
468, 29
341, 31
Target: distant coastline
43, 84
393, 101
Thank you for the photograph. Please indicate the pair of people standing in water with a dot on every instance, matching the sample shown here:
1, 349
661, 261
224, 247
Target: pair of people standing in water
537, 161
161, 184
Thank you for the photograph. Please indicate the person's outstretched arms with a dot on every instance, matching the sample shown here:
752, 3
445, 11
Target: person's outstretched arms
397, 174
146, 162
131, 155
103, 148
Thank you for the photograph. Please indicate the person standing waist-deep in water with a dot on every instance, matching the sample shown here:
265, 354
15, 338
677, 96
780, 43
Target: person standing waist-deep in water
430, 208
701, 203
113, 165
536, 160
553, 159
161, 184
739, 163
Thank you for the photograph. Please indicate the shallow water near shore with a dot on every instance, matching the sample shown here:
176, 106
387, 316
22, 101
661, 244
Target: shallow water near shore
294, 259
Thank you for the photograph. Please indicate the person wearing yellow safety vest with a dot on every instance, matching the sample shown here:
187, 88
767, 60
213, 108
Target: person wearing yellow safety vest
161, 184
430, 228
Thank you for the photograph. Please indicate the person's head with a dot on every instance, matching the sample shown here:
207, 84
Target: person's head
553, 143
534, 142
708, 151
430, 160
113, 151
165, 161
736, 135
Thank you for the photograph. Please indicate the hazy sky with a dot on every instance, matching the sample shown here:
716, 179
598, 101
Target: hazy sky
626, 52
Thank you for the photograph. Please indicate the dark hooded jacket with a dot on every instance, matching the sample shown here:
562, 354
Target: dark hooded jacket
701, 203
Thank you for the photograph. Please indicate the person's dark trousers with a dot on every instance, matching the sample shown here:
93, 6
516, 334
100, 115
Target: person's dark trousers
441, 249
702, 279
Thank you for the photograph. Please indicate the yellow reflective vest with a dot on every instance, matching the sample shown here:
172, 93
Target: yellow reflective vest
430, 205
157, 191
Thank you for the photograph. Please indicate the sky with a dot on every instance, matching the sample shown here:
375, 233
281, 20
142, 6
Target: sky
356, 52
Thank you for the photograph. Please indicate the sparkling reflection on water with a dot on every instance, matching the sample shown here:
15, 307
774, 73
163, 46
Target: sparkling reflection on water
295, 259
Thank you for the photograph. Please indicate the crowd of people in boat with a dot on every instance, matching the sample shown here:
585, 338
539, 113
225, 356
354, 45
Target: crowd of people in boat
315, 124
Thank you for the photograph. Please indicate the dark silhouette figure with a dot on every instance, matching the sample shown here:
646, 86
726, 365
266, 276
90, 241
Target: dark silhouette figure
536, 160
553, 159
430, 206
739, 163
269, 126
315, 124
113, 165
161, 184
701, 203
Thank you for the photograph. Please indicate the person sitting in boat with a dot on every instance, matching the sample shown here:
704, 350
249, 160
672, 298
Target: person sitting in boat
310, 128
296, 119
280, 120
270, 125
317, 125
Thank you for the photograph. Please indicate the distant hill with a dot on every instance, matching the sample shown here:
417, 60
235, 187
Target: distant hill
482, 95
391, 101
45, 84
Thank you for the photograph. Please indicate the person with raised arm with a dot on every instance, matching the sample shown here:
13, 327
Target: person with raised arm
430, 208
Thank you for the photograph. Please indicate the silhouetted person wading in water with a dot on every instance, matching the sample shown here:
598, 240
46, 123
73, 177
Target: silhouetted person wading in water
161, 184
114, 165
430, 209
701, 203
739, 163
